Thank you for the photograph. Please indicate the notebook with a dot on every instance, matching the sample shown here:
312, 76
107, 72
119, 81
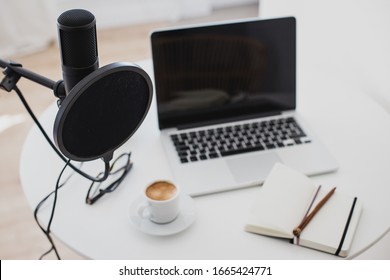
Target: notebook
287, 196
226, 98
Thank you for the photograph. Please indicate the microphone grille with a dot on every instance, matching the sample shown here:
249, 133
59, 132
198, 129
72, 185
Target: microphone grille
76, 18
77, 32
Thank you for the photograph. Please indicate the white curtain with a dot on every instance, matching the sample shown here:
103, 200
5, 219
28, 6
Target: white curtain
30, 25
123, 12
25, 26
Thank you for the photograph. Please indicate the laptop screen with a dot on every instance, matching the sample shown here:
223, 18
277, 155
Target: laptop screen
208, 74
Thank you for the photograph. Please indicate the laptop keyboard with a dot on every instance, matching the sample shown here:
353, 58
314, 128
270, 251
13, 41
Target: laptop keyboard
237, 139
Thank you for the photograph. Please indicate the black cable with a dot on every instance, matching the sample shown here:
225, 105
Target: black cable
114, 185
94, 179
47, 230
98, 179
58, 186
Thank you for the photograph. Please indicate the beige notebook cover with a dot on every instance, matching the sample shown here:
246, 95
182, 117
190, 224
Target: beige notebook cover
284, 200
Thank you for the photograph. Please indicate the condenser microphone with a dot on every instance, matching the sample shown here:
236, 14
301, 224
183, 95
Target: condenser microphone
103, 106
99, 108
78, 45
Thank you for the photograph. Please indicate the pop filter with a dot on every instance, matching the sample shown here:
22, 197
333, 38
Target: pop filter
102, 111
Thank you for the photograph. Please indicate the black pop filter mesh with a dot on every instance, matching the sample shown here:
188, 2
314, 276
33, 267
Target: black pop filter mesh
102, 111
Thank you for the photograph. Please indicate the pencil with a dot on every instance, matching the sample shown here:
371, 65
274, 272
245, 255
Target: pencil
297, 231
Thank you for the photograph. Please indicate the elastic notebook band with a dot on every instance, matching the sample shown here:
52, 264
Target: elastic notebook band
346, 227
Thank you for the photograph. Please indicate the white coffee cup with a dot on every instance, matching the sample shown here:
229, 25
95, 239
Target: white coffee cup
162, 202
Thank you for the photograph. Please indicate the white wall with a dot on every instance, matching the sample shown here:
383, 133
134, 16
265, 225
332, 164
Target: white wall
123, 12
230, 3
28, 26
349, 38
25, 26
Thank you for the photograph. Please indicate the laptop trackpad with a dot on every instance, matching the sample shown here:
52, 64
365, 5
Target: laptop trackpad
252, 168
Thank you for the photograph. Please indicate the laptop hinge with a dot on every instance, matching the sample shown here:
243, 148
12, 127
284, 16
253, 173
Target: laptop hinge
226, 120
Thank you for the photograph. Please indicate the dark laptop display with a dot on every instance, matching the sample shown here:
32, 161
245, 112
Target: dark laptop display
226, 100
223, 72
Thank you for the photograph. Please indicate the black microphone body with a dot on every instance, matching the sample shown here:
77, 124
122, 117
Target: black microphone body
78, 45
104, 106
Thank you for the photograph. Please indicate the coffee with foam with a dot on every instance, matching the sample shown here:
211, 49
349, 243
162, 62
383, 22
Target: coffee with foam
161, 190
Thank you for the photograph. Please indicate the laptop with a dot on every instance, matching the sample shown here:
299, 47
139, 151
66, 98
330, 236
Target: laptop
226, 99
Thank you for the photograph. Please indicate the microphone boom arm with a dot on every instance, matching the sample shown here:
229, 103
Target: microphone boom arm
13, 71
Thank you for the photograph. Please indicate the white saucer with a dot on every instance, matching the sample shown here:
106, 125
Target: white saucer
182, 222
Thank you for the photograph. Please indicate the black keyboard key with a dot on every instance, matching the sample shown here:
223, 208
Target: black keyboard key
280, 144
179, 143
290, 120
202, 157
213, 155
183, 154
270, 146
194, 158
242, 150
181, 148
297, 134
